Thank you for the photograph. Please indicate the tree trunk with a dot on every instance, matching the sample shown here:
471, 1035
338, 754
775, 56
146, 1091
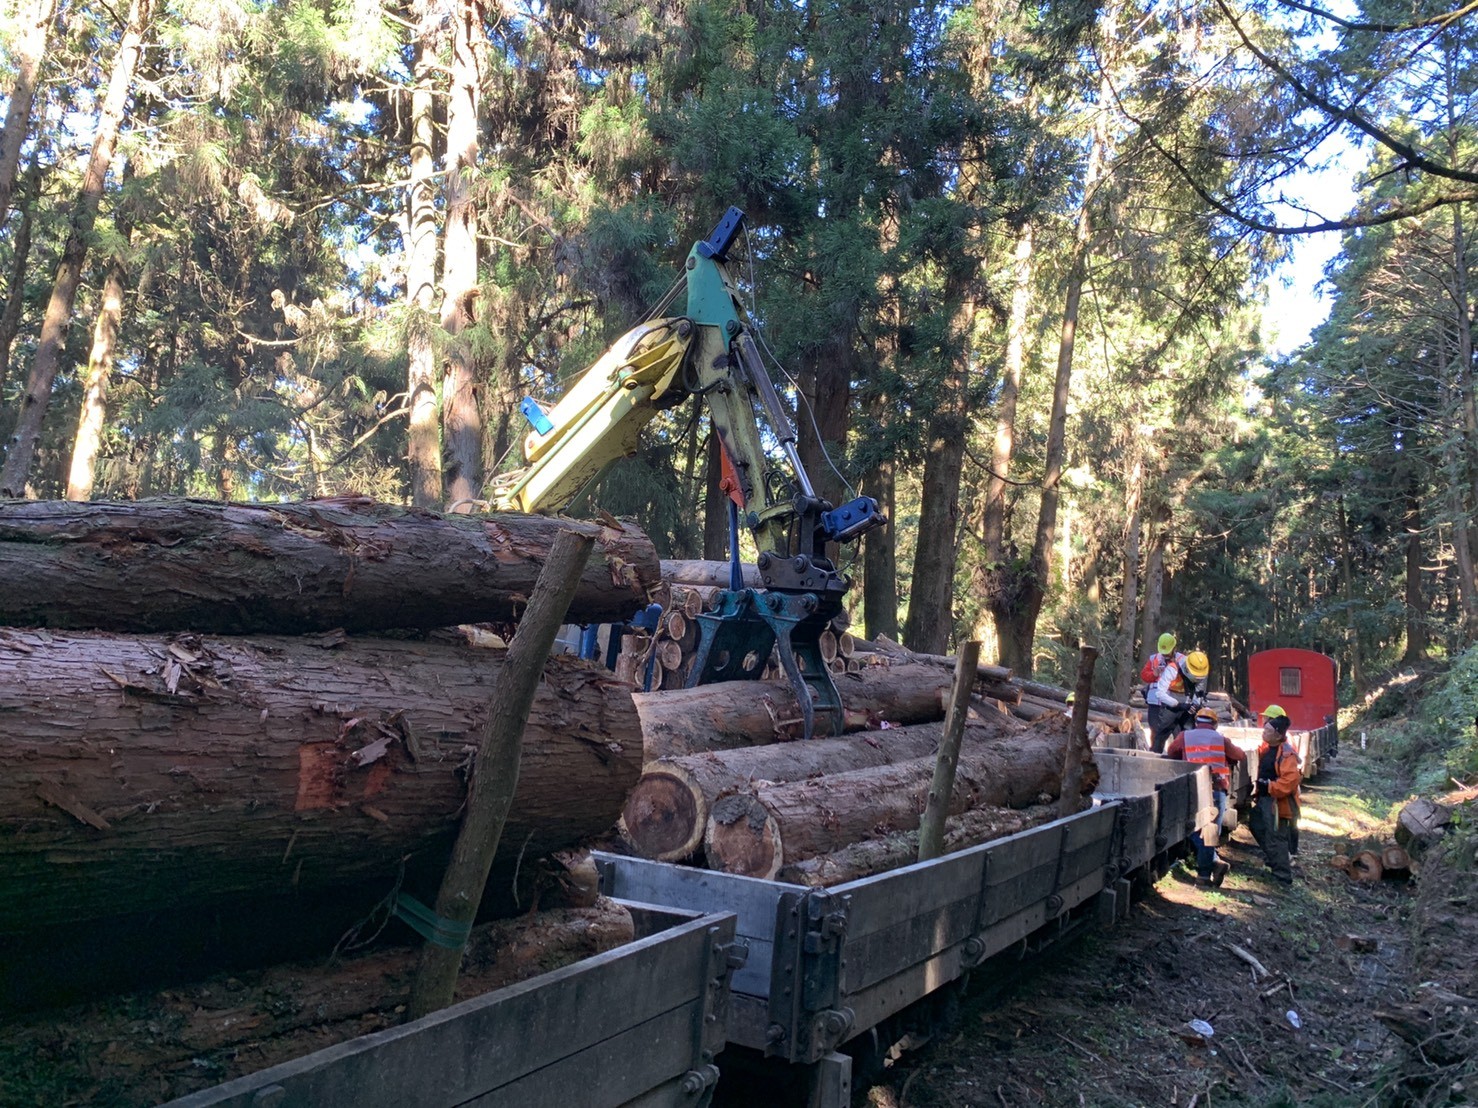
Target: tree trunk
238, 568
880, 558
930, 620
756, 833
146, 773
1154, 579
715, 504
1347, 584
15, 291
461, 390
734, 714
1416, 601
706, 574
872, 856
22, 447
423, 447
667, 812
83, 471
993, 511
27, 53
1127, 667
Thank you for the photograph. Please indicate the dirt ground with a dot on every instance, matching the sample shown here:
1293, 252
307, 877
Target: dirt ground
1103, 1021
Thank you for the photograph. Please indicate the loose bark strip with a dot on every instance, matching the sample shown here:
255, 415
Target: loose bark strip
736, 714
667, 812
931, 829
756, 832
170, 565
229, 767
495, 775
871, 856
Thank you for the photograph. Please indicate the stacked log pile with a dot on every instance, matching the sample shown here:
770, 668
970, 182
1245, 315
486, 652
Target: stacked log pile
163, 751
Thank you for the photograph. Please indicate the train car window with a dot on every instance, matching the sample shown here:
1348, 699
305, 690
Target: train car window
1290, 682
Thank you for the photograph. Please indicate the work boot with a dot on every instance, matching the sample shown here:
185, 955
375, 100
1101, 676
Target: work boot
1219, 873
1203, 882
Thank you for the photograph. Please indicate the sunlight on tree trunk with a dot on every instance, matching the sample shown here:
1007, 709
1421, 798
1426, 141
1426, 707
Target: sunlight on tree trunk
83, 471
461, 391
423, 450
1128, 664
22, 447
27, 52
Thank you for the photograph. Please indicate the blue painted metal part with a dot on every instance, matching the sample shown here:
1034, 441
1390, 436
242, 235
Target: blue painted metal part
590, 642
853, 518
534, 413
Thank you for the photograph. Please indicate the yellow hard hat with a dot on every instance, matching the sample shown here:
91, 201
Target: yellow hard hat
1167, 643
1198, 664
1272, 711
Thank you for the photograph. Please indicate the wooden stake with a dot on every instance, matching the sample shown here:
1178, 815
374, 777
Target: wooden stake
931, 829
1079, 748
496, 774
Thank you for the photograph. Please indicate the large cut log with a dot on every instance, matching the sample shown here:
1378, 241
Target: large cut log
736, 714
171, 565
666, 814
871, 856
140, 773
150, 1047
758, 831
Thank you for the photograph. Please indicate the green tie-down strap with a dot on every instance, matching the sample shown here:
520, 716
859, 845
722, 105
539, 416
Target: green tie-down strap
431, 927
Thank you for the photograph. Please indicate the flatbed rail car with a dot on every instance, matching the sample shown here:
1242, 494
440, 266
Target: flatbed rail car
827, 967
638, 1026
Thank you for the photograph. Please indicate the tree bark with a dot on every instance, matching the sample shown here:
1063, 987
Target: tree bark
880, 558
1128, 662
872, 856
1154, 579
756, 833
1347, 585
706, 574
667, 812
461, 389
164, 565
423, 446
735, 714
993, 511
27, 54
22, 447
82, 473
15, 292
496, 771
715, 505
142, 774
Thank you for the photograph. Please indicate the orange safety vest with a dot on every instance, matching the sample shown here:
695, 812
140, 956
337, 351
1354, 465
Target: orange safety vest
1206, 746
1156, 666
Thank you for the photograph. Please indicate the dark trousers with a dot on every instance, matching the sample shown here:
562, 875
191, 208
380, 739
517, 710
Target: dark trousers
1273, 834
1162, 720
1206, 855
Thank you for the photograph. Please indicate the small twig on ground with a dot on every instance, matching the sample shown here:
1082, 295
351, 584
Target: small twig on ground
1079, 1047
1251, 1070
908, 1084
1331, 1082
1002, 1097
1257, 967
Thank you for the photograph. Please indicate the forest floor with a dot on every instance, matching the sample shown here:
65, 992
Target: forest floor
1103, 1021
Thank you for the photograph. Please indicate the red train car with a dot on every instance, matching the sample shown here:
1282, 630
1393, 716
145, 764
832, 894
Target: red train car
1302, 682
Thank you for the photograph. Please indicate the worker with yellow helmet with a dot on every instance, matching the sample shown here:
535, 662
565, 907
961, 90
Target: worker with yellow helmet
1178, 691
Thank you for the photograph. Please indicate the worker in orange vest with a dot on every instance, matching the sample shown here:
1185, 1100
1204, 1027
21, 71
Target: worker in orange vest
1275, 794
1203, 744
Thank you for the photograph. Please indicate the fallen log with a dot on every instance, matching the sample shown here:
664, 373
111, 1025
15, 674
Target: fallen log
141, 773
1422, 823
708, 575
890, 649
351, 563
150, 1047
871, 856
735, 714
667, 812
758, 831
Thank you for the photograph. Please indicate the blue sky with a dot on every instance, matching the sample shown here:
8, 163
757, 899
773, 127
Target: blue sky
1296, 303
